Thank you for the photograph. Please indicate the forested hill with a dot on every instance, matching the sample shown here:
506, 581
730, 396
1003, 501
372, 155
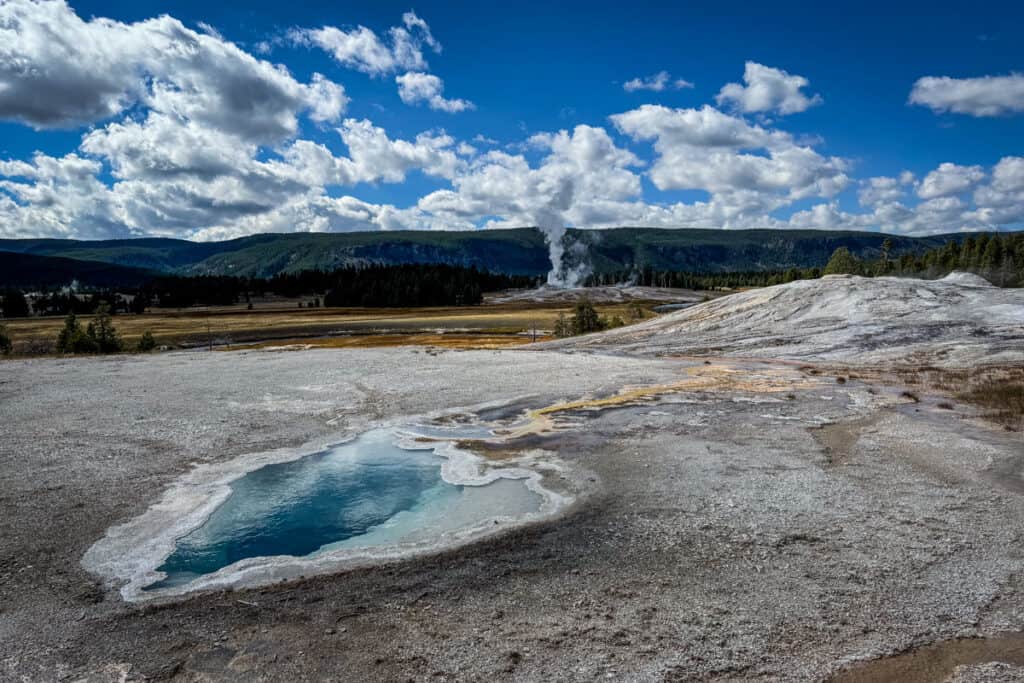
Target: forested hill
31, 271
516, 251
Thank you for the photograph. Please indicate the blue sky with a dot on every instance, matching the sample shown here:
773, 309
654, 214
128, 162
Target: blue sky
821, 134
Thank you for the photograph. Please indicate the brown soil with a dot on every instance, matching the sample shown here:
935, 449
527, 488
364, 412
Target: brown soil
934, 663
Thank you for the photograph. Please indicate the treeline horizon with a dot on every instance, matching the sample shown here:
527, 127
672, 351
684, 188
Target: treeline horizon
999, 258
371, 286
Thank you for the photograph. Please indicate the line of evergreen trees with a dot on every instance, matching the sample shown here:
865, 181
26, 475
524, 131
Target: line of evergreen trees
371, 286
998, 257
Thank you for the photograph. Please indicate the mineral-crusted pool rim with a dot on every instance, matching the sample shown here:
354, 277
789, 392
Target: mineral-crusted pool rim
129, 554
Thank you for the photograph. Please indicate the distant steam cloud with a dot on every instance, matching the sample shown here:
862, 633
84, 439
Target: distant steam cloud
550, 220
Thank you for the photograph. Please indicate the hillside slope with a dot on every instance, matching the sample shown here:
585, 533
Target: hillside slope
518, 251
28, 271
960, 320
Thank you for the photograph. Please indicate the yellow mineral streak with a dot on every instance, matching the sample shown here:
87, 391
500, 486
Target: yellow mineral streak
715, 378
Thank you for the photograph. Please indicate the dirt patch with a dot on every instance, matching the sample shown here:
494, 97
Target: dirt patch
935, 663
839, 439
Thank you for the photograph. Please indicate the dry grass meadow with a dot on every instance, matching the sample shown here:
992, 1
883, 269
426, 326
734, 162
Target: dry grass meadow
484, 326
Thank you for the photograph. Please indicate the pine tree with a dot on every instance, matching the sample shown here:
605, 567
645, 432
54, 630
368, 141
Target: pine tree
72, 339
585, 318
14, 303
562, 326
102, 331
146, 342
842, 263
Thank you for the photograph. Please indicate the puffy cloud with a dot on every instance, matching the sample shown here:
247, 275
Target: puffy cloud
950, 179
374, 156
884, 189
57, 197
582, 180
416, 87
177, 178
363, 50
658, 82
1001, 201
768, 90
747, 167
997, 204
57, 70
984, 96
310, 213
327, 100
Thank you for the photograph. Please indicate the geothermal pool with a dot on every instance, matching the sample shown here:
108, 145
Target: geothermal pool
366, 493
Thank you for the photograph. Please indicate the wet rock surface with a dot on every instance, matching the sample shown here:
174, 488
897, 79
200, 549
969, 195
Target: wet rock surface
782, 527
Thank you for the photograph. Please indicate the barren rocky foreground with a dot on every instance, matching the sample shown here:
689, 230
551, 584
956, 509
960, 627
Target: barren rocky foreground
743, 520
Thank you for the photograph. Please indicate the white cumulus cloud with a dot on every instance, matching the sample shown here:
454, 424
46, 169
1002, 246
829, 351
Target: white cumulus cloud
416, 87
746, 167
950, 179
657, 83
983, 96
57, 70
362, 49
884, 190
768, 90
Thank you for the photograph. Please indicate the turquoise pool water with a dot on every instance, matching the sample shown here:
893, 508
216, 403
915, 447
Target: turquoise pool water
362, 493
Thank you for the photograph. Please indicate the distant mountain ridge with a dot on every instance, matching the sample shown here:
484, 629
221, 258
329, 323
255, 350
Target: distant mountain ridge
31, 271
520, 251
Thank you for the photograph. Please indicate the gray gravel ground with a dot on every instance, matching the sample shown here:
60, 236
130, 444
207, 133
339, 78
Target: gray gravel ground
988, 673
731, 534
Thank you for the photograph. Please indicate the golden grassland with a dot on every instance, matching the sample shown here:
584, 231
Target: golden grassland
484, 326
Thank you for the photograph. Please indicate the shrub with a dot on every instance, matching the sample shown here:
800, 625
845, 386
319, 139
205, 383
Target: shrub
842, 263
73, 339
99, 337
585, 318
146, 342
562, 326
14, 303
5, 341
103, 333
